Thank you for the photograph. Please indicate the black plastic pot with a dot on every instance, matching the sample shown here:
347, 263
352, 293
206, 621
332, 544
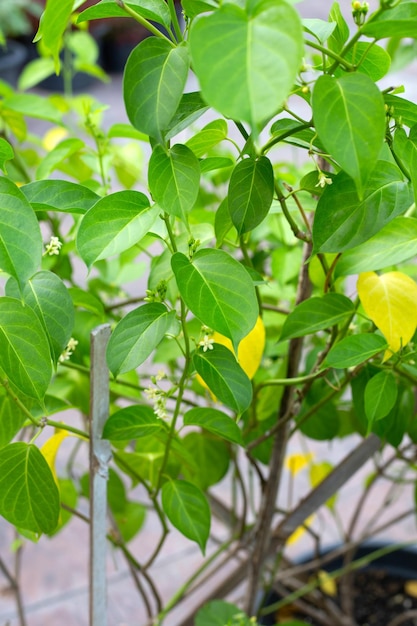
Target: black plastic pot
401, 564
12, 59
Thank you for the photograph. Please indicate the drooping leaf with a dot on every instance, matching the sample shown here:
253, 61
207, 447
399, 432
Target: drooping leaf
187, 509
174, 179
224, 377
219, 291
114, 224
59, 195
154, 80
24, 348
258, 51
349, 116
395, 243
136, 335
50, 449
354, 350
317, 314
343, 220
131, 422
29, 497
250, 194
6, 153
214, 421
380, 396
191, 107
399, 21
155, 10
390, 301
20, 235
53, 23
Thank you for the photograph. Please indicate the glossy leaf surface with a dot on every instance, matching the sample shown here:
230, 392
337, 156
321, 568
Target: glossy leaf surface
174, 178
250, 194
219, 291
380, 396
29, 497
349, 117
354, 350
214, 421
136, 336
224, 377
114, 224
229, 48
24, 348
155, 10
154, 79
343, 220
187, 509
59, 195
317, 314
131, 422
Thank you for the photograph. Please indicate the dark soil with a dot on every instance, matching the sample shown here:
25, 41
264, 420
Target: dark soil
379, 598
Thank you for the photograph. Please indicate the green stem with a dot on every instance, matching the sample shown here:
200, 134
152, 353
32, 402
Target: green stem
174, 20
288, 382
297, 232
70, 429
144, 22
339, 59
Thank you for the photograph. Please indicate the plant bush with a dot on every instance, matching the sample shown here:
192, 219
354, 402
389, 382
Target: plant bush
249, 236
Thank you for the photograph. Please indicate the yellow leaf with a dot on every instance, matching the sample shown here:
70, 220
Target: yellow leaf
327, 583
318, 472
50, 449
53, 136
410, 588
299, 532
296, 462
390, 301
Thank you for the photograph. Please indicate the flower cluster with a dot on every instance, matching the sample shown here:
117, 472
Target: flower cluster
71, 345
53, 247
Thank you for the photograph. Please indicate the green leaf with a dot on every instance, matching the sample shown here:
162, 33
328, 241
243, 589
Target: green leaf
12, 418
215, 163
220, 613
340, 34
343, 221
174, 179
323, 422
86, 300
29, 497
395, 243
320, 29
131, 422
380, 396
34, 72
211, 456
373, 61
130, 520
250, 194
349, 117
59, 195
400, 21
191, 107
224, 377
155, 10
208, 137
215, 422
54, 158
317, 314
24, 348
354, 350
402, 110
219, 291
136, 336
47, 295
188, 510
6, 153
247, 53
34, 106
154, 79
114, 224
20, 236
192, 8
54, 22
